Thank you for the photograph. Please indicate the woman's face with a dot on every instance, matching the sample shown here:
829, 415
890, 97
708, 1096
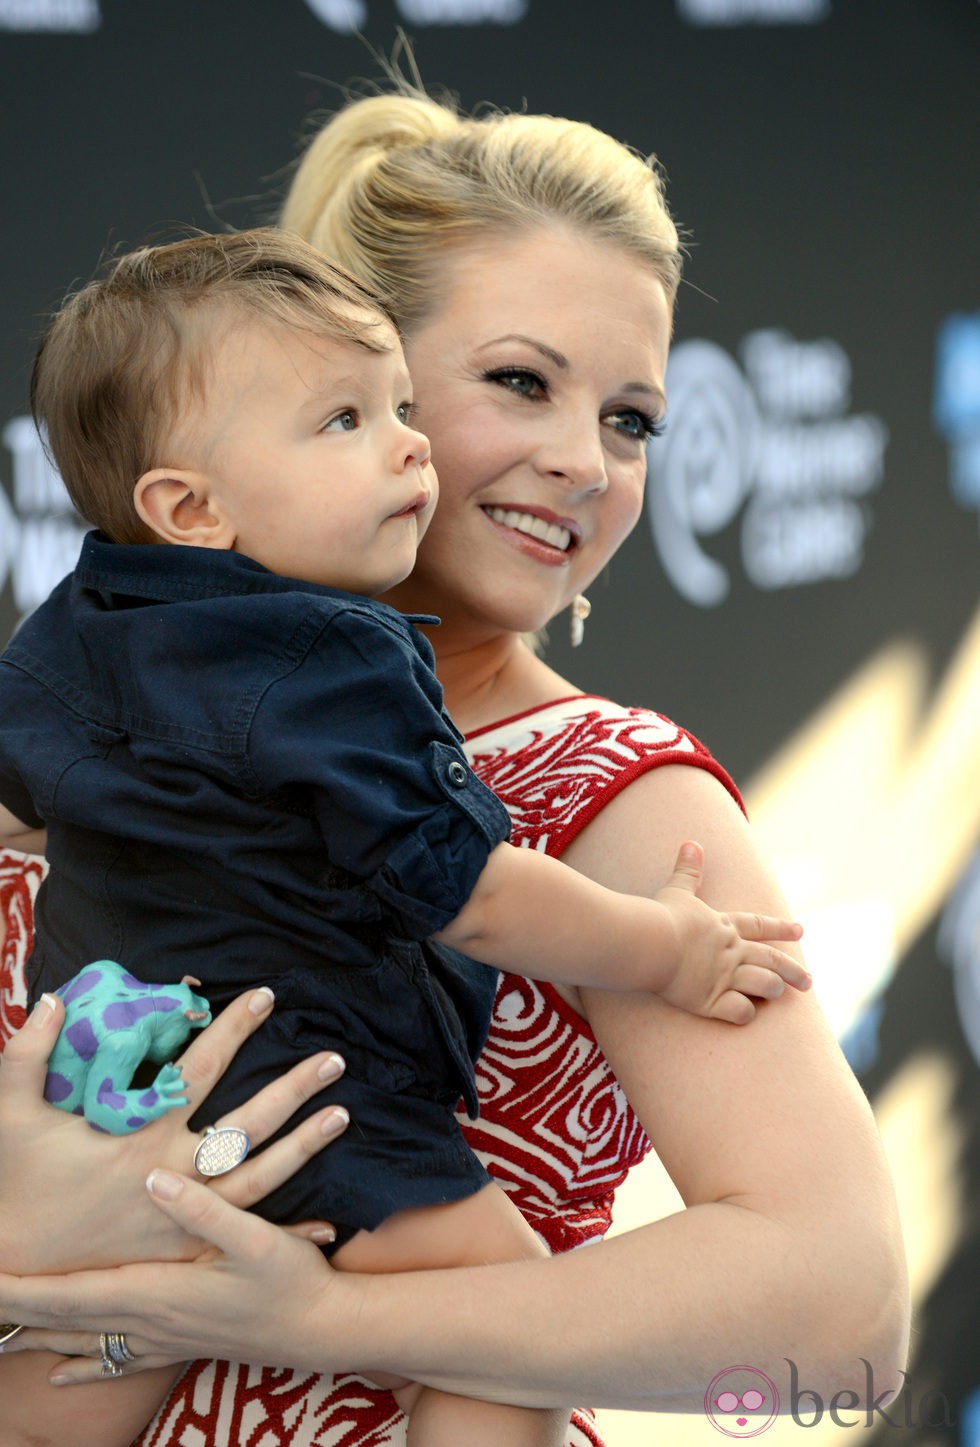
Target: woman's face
538, 383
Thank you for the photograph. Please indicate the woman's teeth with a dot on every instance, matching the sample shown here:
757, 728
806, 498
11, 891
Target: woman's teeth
535, 527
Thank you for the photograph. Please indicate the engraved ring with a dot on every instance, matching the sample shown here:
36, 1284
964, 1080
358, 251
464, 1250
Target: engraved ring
113, 1346
110, 1368
8, 1330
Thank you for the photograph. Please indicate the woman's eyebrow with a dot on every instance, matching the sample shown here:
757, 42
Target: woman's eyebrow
559, 359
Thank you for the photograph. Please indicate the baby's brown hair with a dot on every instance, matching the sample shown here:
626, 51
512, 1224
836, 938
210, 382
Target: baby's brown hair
123, 354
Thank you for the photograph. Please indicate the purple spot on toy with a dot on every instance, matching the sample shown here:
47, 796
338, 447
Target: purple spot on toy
107, 1095
123, 1013
167, 1002
56, 1088
135, 1122
148, 1099
85, 982
82, 1039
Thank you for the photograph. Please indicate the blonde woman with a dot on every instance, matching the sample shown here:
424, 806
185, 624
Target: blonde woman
532, 266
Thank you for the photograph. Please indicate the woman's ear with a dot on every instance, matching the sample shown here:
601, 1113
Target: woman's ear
178, 507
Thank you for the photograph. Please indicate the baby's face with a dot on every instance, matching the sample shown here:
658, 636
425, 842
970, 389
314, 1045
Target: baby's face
308, 447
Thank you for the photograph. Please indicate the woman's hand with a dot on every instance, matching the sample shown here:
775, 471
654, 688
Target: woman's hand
173, 1311
73, 1197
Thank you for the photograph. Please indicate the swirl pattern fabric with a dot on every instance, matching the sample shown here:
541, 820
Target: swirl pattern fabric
555, 1129
20, 876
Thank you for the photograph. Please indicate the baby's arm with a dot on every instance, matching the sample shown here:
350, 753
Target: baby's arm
533, 914
18, 835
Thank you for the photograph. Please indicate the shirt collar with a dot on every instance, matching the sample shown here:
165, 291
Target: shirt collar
168, 573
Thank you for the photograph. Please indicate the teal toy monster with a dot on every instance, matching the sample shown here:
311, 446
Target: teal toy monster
114, 1022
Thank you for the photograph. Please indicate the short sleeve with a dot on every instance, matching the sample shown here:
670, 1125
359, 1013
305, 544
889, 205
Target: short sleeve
356, 734
18, 745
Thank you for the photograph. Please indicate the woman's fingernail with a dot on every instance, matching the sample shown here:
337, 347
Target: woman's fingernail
335, 1122
43, 1013
261, 1000
59, 1381
331, 1068
164, 1185
323, 1235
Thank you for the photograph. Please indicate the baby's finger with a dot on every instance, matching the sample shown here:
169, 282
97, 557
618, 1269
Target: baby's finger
256, 1177
758, 982
765, 927
733, 1007
788, 967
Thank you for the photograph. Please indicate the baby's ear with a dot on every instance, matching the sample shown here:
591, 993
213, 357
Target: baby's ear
177, 505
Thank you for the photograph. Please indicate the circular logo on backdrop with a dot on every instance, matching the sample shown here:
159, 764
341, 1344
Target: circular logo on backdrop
741, 1402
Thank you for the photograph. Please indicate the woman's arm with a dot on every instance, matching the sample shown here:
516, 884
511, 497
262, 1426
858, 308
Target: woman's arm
790, 1248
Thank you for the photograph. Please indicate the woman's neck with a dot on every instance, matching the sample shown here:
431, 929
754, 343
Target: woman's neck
492, 679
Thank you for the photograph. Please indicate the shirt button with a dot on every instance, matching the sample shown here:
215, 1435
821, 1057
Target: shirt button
457, 774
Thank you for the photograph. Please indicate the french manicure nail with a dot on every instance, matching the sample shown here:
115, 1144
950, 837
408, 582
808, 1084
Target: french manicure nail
164, 1185
331, 1068
261, 1001
337, 1116
40, 1016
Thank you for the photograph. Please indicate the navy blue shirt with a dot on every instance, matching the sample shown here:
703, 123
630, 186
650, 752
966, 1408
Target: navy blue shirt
241, 775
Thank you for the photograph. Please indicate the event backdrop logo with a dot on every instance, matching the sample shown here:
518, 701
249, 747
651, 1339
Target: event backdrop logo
753, 12
40, 533
768, 440
956, 404
77, 17
346, 16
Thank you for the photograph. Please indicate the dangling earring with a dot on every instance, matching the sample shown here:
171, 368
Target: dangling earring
580, 610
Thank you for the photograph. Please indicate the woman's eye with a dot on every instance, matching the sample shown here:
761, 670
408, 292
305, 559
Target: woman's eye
519, 380
637, 424
343, 422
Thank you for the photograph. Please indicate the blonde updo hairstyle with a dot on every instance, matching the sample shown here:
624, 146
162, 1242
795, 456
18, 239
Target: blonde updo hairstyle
393, 182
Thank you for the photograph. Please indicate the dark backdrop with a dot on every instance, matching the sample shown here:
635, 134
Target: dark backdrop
802, 591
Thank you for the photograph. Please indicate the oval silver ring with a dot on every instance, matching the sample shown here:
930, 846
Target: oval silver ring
222, 1148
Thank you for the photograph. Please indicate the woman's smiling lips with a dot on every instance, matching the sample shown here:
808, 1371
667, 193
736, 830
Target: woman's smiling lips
559, 535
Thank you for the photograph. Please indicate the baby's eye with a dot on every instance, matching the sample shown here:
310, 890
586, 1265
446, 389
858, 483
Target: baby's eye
343, 422
633, 423
406, 413
518, 379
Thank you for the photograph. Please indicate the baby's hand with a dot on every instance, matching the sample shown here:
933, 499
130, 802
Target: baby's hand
723, 961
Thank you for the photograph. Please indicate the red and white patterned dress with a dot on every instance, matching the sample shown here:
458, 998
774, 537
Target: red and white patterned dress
555, 1129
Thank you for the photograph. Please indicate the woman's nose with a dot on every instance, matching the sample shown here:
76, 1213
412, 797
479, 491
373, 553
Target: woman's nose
575, 455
